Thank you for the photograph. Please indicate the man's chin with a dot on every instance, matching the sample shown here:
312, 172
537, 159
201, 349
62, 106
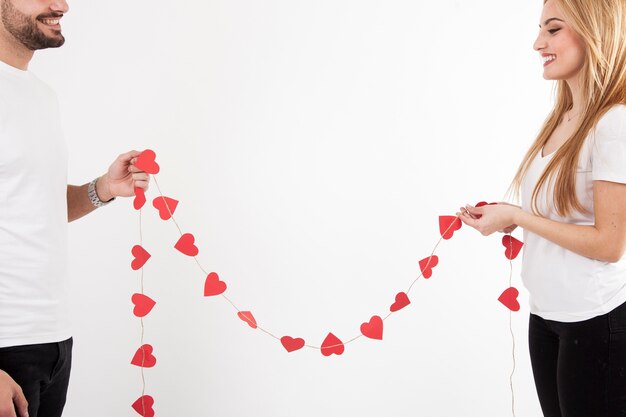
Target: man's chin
48, 37
54, 39
50, 42
57, 41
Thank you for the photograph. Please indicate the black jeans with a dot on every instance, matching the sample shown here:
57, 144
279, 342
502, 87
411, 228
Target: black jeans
43, 372
580, 368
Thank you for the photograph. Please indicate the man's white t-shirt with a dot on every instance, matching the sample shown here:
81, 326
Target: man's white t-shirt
33, 212
564, 286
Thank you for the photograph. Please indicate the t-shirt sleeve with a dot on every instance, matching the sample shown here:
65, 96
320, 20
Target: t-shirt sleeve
609, 150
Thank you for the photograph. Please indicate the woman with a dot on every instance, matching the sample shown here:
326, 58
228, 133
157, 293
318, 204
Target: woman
573, 188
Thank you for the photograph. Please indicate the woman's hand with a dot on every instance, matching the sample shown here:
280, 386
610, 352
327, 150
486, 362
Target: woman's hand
490, 218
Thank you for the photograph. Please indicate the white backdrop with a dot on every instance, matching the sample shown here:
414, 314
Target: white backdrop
312, 144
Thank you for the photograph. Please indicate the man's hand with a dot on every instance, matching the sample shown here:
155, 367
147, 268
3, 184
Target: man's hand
11, 397
122, 178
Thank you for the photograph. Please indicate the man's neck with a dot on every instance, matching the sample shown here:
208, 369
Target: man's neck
13, 53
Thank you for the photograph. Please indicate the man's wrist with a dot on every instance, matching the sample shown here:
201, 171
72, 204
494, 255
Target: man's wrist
97, 193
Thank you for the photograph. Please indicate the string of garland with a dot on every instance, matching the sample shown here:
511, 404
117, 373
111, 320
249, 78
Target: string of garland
214, 286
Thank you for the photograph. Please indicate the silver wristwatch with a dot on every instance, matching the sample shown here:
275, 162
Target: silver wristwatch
93, 195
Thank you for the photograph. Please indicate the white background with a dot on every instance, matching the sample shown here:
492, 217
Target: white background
312, 146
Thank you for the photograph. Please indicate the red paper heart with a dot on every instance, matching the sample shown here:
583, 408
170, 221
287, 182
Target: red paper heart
332, 345
402, 300
143, 406
248, 318
291, 344
143, 357
448, 225
512, 245
186, 245
143, 304
141, 257
166, 206
373, 329
509, 299
140, 198
213, 285
427, 265
146, 162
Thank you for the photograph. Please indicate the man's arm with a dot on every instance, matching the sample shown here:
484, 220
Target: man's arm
119, 181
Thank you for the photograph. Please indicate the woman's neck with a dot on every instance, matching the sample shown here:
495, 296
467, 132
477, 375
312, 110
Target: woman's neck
574, 86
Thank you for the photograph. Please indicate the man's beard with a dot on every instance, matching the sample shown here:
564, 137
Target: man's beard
25, 29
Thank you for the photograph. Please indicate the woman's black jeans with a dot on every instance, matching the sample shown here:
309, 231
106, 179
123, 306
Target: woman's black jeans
580, 368
43, 373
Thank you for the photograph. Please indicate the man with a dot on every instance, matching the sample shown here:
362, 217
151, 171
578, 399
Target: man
35, 206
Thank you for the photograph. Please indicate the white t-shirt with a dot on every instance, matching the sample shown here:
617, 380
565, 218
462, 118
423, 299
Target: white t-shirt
564, 286
33, 212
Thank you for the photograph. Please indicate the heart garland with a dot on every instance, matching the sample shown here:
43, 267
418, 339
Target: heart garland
144, 357
140, 198
290, 344
512, 245
185, 245
427, 265
166, 207
373, 328
143, 406
509, 299
402, 300
248, 318
146, 162
332, 345
143, 304
213, 286
141, 257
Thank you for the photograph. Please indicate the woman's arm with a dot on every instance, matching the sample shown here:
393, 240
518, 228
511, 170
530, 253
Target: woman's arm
604, 241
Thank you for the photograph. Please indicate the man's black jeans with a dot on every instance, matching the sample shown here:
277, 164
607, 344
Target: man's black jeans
43, 372
580, 368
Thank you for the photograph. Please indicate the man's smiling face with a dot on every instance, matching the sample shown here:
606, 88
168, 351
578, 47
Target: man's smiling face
34, 23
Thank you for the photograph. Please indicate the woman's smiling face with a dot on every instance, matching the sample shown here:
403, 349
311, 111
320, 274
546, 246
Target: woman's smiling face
562, 49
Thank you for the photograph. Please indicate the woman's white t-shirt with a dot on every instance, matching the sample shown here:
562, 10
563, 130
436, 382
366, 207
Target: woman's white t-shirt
563, 285
33, 213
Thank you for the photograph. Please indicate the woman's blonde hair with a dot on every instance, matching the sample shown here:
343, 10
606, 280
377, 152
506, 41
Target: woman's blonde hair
602, 26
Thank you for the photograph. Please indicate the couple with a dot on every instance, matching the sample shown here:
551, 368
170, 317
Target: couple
572, 182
